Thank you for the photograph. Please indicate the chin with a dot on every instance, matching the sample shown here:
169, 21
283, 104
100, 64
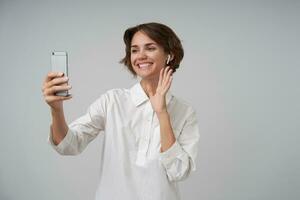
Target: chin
149, 77
147, 73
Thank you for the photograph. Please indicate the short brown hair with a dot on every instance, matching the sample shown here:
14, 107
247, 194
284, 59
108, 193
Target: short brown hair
162, 35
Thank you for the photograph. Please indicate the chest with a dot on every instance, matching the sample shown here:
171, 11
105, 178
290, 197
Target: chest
136, 130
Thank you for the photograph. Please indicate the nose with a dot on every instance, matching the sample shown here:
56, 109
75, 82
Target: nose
141, 55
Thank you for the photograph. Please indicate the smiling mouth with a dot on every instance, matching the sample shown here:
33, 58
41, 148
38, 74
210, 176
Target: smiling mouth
144, 65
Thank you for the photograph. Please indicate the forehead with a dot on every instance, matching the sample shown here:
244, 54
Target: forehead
141, 38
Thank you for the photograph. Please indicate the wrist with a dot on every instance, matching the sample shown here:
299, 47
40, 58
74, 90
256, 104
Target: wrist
162, 114
56, 111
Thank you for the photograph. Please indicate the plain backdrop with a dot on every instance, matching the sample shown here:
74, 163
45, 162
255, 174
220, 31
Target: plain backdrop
240, 72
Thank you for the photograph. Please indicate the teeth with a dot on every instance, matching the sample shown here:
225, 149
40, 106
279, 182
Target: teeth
144, 65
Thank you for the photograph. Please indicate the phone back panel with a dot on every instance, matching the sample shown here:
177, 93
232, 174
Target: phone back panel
59, 63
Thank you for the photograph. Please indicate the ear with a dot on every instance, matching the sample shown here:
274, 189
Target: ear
170, 58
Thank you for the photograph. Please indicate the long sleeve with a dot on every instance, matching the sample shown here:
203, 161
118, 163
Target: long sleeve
179, 159
83, 130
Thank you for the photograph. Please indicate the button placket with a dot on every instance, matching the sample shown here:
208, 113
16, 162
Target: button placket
145, 136
149, 130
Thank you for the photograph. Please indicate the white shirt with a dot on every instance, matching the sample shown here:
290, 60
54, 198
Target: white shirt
132, 166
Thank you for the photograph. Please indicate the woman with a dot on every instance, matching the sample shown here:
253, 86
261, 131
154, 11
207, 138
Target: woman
151, 137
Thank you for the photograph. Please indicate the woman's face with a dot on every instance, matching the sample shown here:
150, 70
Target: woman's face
147, 57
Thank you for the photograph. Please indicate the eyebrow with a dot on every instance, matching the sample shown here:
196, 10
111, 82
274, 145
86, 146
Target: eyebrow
147, 44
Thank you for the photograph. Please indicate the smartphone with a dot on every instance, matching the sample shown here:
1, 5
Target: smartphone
59, 63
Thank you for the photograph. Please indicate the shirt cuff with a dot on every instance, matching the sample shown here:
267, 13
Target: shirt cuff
63, 144
167, 157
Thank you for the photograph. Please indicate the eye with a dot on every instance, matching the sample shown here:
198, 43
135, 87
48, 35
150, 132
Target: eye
133, 50
151, 48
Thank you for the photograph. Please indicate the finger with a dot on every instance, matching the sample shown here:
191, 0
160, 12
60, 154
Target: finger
61, 88
55, 89
169, 74
52, 75
57, 81
160, 76
165, 72
168, 84
164, 75
170, 81
50, 99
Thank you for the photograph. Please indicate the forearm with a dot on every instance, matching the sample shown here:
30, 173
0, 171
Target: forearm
167, 137
59, 126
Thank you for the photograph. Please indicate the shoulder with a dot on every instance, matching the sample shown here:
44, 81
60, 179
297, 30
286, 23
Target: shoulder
109, 98
113, 95
183, 106
117, 93
182, 113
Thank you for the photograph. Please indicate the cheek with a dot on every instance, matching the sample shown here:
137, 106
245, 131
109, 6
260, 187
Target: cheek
160, 60
159, 57
132, 59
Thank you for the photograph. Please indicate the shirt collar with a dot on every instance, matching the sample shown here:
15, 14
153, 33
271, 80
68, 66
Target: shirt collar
139, 96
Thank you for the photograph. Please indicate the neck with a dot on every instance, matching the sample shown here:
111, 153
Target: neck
149, 85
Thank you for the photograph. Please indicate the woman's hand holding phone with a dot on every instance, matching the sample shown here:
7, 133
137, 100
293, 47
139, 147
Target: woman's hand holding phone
55, 82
